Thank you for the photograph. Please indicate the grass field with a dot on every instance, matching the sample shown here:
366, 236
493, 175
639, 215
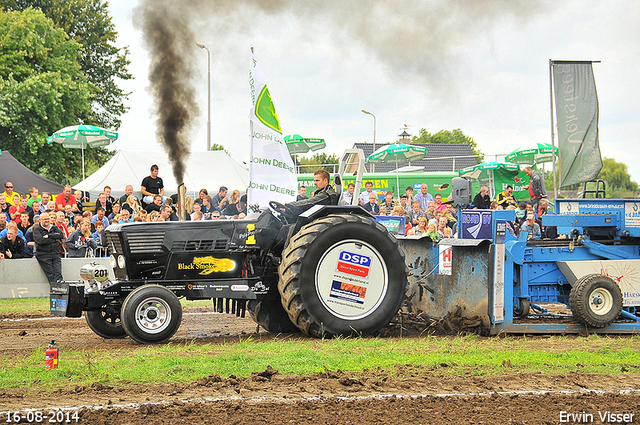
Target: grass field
465, 355
186, 362
24, 305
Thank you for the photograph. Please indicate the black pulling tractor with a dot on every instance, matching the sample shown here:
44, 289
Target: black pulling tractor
334, 271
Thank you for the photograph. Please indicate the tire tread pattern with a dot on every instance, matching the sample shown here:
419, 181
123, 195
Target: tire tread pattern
289, 284
271, 316
579, 300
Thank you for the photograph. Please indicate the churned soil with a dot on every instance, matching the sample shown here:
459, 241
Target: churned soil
404, 394
21, 334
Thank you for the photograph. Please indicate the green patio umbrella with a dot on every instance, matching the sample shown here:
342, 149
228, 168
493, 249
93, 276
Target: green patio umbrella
535, 153
485, 172
298, 144
398, 153
81, 137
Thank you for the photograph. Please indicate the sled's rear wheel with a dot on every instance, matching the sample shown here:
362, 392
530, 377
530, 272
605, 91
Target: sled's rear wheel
596, 300
342, 274
521, 308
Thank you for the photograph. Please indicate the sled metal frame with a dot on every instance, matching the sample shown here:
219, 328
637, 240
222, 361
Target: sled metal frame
546, 265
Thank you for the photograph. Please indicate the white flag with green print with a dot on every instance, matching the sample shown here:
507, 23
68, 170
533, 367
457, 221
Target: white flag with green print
272, 175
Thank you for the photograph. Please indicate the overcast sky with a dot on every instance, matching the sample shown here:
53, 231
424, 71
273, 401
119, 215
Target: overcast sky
481, 66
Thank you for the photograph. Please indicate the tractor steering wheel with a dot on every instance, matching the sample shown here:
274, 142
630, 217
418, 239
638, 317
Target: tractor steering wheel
278, 209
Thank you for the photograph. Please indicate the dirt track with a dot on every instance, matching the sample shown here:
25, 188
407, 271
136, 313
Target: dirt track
405, 394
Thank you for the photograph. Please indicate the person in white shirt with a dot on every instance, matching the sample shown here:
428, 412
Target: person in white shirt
348, 196
364, 196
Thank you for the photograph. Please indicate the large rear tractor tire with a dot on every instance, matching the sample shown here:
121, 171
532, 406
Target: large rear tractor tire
151, 314
596, 300
271, 316
342, 274
106, 321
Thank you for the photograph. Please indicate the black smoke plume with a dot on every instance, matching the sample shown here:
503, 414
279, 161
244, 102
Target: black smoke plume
167, 34
413, 38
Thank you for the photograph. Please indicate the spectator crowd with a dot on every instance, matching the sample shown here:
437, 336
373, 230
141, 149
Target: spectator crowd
428, 214
51, 226
424, 214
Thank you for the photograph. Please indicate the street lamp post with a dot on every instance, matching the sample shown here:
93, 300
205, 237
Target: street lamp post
373, 166
202, 46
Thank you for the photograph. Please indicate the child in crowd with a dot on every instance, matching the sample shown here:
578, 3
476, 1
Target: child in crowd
97, 235
115, 211
431, 210
529, 210
432, 232
521, 212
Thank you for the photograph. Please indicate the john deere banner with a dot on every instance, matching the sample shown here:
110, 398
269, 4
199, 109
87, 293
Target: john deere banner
577, 112
271, 172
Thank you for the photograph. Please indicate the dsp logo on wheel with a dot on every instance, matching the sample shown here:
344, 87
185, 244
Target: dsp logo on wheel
354, 264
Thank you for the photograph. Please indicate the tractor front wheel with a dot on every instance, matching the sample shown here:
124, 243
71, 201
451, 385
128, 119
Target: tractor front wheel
106, 321
151, 314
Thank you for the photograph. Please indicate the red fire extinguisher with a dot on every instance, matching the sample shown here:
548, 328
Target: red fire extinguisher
51, 356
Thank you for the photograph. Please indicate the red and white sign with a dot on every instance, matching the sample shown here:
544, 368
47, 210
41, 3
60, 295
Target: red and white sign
444, 264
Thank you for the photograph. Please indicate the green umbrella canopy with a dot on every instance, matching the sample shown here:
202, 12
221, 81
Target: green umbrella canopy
535, 153
398, 153
298, 144
488, 172
485, 170
83, 136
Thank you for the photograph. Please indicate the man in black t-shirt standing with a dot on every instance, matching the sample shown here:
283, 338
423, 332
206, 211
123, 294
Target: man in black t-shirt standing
48, 238
152, 185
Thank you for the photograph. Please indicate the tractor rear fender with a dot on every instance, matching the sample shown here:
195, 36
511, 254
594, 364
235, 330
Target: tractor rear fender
318, 211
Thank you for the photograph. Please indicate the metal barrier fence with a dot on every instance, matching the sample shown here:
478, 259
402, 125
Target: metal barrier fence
24, 278
100, 252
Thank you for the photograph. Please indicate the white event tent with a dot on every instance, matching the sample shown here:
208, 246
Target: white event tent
208, 170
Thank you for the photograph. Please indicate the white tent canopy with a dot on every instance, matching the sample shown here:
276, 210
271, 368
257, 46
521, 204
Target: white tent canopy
208, 170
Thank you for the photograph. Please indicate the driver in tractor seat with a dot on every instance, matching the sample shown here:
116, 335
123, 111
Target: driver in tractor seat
324, 195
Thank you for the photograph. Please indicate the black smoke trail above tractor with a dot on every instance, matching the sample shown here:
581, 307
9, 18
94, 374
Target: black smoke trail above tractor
170, 42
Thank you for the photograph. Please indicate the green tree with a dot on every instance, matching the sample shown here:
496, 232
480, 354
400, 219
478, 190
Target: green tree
88, 23
42, 90
617, 178
451, 137
217, 147
318, 161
